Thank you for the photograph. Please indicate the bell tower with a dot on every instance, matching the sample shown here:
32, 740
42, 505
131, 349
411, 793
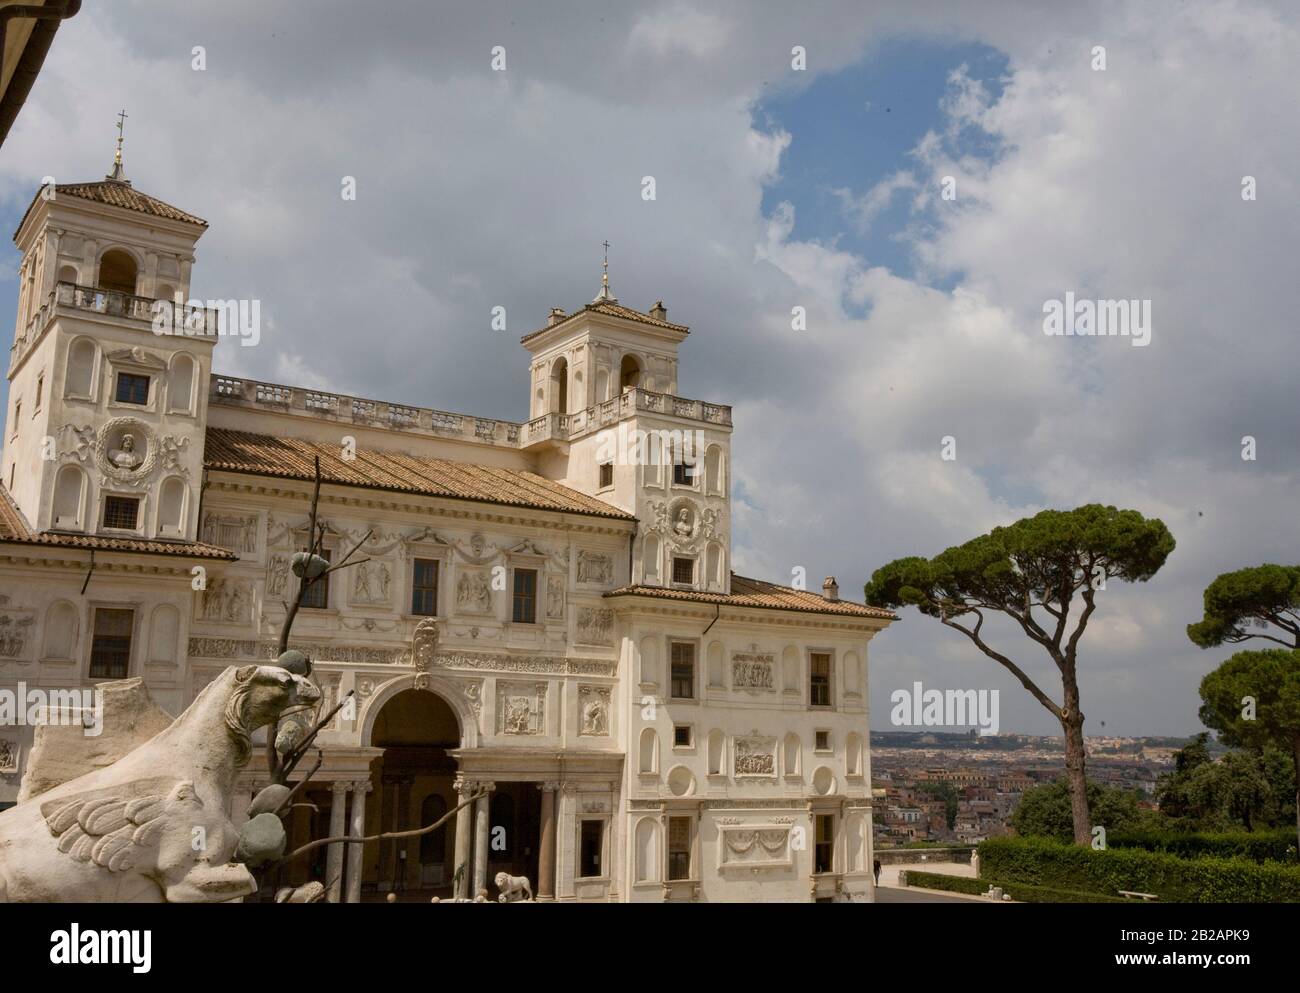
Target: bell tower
606, 419
108, 369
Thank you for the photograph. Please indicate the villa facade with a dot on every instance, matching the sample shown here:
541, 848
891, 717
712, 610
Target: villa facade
544, 611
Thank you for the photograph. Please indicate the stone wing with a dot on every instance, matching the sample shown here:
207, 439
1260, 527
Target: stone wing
111, 831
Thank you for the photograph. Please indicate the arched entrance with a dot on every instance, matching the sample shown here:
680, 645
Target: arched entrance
412, 786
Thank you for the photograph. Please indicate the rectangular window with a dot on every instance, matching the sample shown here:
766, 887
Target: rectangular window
606, 475
121, 512
683, 675
679, 848
40, 388
424, 588
110, 646
822, 741
18, 412
819, 689
683, 472
683, 571
593, 834
317, 595
824, 853
682, 736
525, 601
132, 388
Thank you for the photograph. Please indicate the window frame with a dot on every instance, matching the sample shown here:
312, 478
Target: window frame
694, 561
325, 583
602, 843
601, 484
669, 852
515, 570
819, 818
148, 378
140, 512
829, 703
437, 563
133, 638
695, 668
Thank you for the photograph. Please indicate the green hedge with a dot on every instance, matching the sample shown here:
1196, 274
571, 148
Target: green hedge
1021, 892
1041, 862
1274, 845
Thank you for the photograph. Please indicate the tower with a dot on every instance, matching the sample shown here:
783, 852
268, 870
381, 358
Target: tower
107, 394
606, 419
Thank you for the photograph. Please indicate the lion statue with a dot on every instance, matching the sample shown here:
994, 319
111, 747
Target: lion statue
513, 888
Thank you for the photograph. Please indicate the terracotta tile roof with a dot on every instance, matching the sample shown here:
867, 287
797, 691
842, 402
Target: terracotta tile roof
747, 592
291, 458
14, 531
118, 194
611, 310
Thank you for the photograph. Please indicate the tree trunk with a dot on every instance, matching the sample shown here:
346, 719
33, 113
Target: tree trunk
1075, 759
1295, 752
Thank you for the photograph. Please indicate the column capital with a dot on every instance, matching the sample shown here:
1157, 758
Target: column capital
341, 786
548, 786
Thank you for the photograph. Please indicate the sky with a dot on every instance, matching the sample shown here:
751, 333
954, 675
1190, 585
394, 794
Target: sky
776, 188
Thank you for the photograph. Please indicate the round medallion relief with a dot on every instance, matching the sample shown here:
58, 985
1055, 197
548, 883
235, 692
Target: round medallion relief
125, 450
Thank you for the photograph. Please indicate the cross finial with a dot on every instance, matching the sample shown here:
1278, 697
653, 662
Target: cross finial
117, 172
604, 293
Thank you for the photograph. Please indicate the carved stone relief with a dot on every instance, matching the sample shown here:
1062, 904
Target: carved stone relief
753, 671
755, 756
593, 710
232, 531
744, 845
521, 708
277, 576
595, 568
15, 628
555, 597
9, 754
595, 626
473, 592
372, 583
228, 600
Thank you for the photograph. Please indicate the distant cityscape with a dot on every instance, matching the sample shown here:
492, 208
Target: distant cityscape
963, 788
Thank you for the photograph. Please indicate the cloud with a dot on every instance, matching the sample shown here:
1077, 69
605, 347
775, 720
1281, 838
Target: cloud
478, 189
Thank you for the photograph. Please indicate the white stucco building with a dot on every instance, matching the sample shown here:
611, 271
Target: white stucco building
650, 725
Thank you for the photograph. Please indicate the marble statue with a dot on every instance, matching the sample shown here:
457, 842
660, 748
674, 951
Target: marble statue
152, 827
126, 457
513, 888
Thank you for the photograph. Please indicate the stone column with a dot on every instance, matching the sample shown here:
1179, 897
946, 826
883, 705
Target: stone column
356, 853
481, 828
403, 822
546, 850
567, 828
338, 826
464, 816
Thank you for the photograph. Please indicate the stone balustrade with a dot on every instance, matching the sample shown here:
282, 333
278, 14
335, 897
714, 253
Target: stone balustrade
424, 420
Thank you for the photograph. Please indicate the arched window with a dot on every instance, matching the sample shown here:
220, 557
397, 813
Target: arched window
715, 561
68, 274
69, 499
79, 382
117, 271
560, 387
60, 631
433, 846
716, 742
180, 385
791, 754
171, 508
629, 373
164, 291
714, 481
647, 850
602, 386
648, 763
